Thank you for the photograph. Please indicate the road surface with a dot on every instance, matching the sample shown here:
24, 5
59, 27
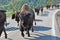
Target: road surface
42, 31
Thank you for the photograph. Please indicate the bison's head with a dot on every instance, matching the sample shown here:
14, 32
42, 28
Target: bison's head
13, 16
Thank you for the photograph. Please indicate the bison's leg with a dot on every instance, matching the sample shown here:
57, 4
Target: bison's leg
32, 27
42, 10
22, 31
52, 6
1, 31
18, 23
57, 6
47, 6
28, 33
5, 33
35, 22
38, 13
28, 28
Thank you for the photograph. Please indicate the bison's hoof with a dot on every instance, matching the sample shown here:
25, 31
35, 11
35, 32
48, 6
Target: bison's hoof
6, 37
28, 35
22, 35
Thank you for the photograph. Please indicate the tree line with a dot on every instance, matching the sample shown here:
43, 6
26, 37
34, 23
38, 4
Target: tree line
14, 5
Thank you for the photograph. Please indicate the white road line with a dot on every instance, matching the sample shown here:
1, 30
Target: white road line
53, 23
53, 27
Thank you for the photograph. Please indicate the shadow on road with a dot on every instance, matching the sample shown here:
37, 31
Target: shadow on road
46, 13
12, 29
41, 28
43, 37
9, 39
38, 20
36, 28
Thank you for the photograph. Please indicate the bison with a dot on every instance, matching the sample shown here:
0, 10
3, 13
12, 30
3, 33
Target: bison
2, 20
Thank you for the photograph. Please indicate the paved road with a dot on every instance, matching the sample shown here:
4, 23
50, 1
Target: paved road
42, 31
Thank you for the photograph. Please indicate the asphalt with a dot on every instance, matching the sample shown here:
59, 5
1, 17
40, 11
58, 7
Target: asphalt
43, 30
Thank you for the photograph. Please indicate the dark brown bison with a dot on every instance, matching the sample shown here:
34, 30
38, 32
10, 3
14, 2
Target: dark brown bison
26, 18
55, 5
39, 8
2, 20
48, 6
16, 17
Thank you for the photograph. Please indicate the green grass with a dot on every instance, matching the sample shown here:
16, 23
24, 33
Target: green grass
9, 13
